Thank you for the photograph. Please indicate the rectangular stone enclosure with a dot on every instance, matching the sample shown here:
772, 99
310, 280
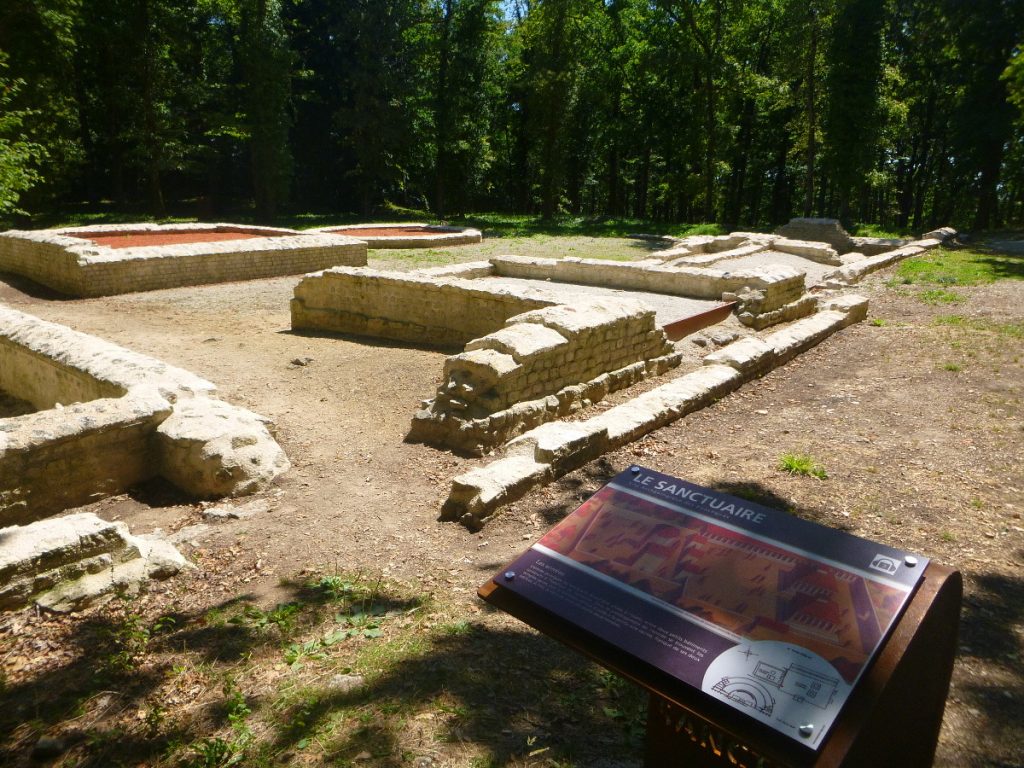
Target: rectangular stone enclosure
104, 260
108, 419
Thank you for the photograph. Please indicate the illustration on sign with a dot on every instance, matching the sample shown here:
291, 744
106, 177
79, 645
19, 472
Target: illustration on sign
775, 616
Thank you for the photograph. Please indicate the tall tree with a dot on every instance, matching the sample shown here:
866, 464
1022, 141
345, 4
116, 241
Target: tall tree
19, 157
266, 65
852, 84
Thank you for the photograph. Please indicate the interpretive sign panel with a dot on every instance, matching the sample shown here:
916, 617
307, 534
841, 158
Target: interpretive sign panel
774, 616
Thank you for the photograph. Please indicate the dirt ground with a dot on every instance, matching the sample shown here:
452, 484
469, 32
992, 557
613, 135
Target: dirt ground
917, 420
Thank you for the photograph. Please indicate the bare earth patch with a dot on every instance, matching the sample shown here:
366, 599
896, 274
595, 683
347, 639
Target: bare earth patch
916, 416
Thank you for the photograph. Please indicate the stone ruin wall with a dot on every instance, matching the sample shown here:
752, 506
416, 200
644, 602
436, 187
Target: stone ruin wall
413, 308
439, 237
530, 372
78, 267
779, 284
112, 419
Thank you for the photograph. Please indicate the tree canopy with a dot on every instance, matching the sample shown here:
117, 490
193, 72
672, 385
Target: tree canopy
904, 113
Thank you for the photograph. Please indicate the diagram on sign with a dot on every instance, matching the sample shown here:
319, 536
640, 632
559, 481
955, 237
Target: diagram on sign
781, 684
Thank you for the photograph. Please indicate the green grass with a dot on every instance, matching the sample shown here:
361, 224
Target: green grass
513, 225
802, 464
935, 296
945, 267
1007, 330
877, 230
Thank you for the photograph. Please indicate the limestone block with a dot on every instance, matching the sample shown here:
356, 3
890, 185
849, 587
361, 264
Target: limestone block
822, 230
853, 306
852, 273
477, 493
788, 342
557, 442
467, 270
872, 246
666, 403
820, 252
69, 562
748, 355
942, 234
209, 448
522, 341
715, 256
805, 305
485, 365
573, 320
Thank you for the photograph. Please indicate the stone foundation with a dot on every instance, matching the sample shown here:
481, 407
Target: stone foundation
779, 284
429, 236
68, 563
64, 260
551, 450
110, 419
530, 372
410, 307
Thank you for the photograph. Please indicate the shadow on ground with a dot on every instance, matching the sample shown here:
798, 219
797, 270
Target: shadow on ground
503, 693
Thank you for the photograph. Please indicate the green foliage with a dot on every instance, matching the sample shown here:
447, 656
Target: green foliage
900, 114
19, 157
802, 464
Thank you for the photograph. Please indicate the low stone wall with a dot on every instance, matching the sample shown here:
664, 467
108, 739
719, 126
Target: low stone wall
541, 365
109, 416
853, 273
78, 267
438, 237
551, 450
820, 230
779, 284
405, 307
74, 455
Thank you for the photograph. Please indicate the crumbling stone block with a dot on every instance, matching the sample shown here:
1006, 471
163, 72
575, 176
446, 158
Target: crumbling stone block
211, 449
541, 365
67, 563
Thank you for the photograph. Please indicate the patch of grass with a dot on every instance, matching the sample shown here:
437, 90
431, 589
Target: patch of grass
513, 225
1008, 330
802, 464
940, 296
952, 367
879, 322
947, 267
877, 230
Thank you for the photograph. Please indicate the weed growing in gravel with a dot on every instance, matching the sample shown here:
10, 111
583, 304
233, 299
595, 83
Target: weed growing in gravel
879, 322
952, 367
802, 464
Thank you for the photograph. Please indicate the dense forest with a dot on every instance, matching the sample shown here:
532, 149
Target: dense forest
905, 113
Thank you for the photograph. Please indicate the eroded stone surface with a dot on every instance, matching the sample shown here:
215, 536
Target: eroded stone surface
67, 563
66, 261
102, 405
210, 449
545, 453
